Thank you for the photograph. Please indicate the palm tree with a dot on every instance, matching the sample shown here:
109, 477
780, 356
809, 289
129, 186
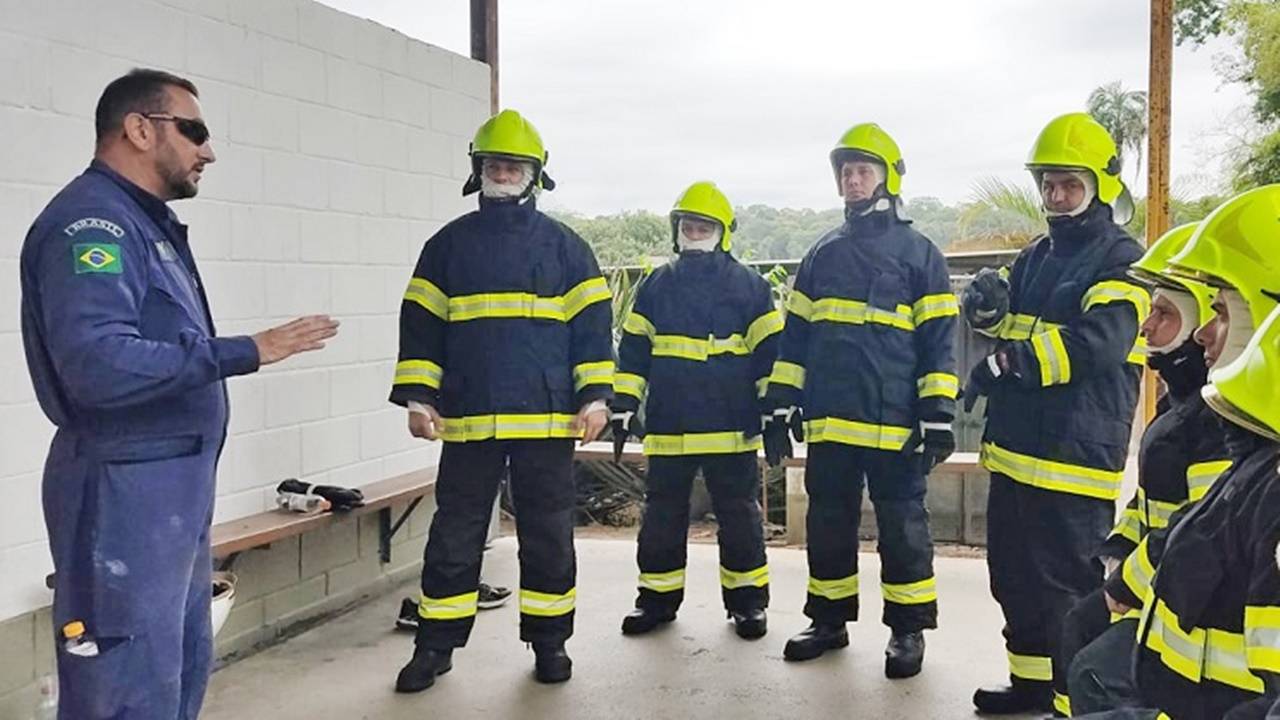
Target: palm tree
1124, 114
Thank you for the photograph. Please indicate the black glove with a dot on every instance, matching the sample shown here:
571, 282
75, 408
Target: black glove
985, 376
986, 300
775, 426
624, 425
339, 497
934, 440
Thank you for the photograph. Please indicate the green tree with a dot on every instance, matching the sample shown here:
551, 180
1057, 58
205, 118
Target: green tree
1124, 114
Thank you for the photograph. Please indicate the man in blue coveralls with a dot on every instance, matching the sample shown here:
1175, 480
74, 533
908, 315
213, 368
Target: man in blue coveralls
125, 361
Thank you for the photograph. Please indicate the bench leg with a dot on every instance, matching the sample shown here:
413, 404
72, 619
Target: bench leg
388, 530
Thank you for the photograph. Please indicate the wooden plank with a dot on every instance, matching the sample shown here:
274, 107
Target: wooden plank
265, 528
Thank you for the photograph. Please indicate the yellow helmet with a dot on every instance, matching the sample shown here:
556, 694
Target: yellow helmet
868, 140
1247, 391
1079, 142
1238, 246
1152, 269
508, 135
705, 201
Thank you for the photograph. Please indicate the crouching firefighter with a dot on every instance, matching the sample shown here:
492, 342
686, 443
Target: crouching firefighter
506, 356
1181, 455
867, 358
696, 349
1062, 386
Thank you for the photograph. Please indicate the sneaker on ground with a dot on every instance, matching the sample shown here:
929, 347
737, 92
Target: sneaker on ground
492, 596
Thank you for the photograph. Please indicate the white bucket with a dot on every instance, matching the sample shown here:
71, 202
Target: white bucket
224, 596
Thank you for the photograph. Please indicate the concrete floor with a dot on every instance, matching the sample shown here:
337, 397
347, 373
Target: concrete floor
694, 667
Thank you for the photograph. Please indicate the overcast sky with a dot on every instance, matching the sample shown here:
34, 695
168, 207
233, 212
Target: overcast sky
635, 99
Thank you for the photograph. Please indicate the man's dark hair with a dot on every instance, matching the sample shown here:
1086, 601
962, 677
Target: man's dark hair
142, 90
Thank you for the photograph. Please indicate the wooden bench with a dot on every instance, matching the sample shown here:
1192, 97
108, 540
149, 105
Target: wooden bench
233, 537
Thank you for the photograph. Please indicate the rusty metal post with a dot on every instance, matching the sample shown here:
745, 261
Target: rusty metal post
484, 43
1159, 109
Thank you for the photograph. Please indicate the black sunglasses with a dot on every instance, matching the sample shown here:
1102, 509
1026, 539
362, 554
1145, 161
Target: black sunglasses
194, 130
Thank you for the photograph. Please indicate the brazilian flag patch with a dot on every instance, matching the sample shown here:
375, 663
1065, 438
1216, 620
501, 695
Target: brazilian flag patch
97, 258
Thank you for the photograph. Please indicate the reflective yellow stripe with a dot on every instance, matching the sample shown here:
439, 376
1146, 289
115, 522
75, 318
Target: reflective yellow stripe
762, 327
637, 324
1226, 661
762, 387
857, 312
1181, 652
800, 305
1017, 326
1110, 291
592, 373
662, 582
931, 307
852, 432
710, 443
834, 589
1030, 667
588, 292
1062, 704
1262, 637
454, 607
916, 593
787, 373
690, 348
506, 305
1138, 355
1130, 526
1202, 475
534, 426
938, 385
1051, 354
733, 580
1159, 511
419, 372
1137, 571
1052, 475
629, 384
431, 298
547, 604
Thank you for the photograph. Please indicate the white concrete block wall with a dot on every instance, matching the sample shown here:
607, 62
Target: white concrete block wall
340, 148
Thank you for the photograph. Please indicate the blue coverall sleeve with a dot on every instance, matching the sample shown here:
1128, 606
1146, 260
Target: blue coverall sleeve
93, 320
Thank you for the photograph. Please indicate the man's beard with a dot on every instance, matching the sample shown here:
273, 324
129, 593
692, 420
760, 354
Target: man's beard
178, 182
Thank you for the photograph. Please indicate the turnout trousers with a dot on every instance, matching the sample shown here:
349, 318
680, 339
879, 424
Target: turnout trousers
834, 477
1041, 555
734, 483
541, 477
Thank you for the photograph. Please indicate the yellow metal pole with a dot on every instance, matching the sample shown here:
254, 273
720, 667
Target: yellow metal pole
1159, 109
